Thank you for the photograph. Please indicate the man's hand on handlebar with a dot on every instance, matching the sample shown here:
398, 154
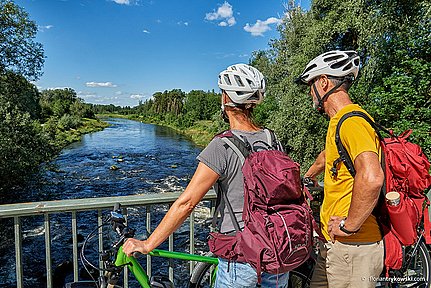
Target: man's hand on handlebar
133, 245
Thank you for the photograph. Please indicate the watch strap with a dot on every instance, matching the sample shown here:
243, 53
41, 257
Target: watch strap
342, 228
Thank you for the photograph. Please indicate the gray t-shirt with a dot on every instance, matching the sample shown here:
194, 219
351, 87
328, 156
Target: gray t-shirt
225, 162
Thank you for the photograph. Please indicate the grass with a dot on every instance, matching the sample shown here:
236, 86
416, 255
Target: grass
65, 138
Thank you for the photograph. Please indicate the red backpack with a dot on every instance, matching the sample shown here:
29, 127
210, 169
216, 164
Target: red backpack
278, 223
406, 170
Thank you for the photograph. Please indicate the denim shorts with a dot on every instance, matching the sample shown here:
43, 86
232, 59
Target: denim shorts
243, 275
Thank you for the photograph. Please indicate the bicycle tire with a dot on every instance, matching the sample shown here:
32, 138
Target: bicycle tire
298, 280
418, 272
201, 276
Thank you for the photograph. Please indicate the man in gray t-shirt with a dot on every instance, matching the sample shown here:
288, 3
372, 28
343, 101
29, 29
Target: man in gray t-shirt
226, 163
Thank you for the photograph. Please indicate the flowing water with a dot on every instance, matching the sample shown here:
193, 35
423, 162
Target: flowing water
126, 158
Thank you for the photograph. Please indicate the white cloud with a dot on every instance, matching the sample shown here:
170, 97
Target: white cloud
58, 88
46, 27
137, 96
224, 14
122, 2
146, 31
231, 21
261, 27
86, 95
225, 55
183, 23
100, 84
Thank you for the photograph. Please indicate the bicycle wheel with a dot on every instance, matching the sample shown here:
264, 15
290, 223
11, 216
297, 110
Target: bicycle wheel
203, 275
417, 272
298, 280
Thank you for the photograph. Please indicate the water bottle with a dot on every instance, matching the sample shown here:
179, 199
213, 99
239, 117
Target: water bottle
403, 215
393, 198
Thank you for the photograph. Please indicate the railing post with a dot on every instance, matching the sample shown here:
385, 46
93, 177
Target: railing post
75, 246
192, 239
171, 261
148, 226
125, 269
18, 252
99, 223
48, 251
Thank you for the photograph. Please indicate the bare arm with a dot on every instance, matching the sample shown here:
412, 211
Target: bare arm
199, 185
317, 168
366, 190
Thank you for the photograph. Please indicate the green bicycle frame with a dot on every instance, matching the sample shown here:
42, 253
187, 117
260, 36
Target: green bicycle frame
140, 274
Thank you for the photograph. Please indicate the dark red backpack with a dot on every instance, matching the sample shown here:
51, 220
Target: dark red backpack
278, 232
406, 170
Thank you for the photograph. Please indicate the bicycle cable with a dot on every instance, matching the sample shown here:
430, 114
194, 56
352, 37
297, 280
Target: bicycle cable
84, 260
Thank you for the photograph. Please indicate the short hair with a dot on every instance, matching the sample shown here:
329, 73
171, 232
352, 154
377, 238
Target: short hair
348, 81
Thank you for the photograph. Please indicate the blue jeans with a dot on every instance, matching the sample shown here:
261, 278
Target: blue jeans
243, 275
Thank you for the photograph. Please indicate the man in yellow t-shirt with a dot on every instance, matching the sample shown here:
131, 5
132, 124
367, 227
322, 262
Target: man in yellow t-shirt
353, 254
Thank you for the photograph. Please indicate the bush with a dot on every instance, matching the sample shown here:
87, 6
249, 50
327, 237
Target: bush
68, 122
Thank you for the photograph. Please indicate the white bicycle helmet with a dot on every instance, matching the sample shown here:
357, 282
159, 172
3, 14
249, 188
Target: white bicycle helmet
241, 82
333, 63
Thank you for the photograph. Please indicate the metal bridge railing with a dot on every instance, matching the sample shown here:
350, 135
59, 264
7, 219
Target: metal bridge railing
72, 206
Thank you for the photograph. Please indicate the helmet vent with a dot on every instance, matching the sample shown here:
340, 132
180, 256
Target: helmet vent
227, 79
329, 53
338, 65
242, 71
348, 67
332, 58
356, 61
309, 68
253, 97
239, 81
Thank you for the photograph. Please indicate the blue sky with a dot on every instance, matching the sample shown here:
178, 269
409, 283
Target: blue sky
122, 51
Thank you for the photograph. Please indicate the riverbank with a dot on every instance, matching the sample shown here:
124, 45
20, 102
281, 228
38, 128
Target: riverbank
88, 125
200, 133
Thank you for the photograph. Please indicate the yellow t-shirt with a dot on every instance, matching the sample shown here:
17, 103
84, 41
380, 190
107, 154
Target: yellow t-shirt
357, 136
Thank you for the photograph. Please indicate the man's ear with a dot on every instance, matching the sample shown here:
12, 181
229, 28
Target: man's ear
324, 82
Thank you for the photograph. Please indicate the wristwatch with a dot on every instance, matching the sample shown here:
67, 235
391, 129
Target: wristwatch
341, 226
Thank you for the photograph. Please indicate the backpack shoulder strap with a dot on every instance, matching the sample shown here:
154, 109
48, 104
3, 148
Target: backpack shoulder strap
344, 155
272, 140
223, 201
240, 147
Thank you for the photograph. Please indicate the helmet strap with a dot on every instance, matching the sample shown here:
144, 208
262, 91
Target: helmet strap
224, 116
320, 108
223, 113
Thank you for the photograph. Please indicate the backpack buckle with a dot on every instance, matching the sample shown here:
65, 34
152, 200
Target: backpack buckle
334, 169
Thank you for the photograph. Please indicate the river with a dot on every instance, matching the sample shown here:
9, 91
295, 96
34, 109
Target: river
128, 157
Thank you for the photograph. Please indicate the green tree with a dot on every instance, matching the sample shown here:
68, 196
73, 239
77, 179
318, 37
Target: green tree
57, 102
19, 52
201, 105
17, 91
393, 39
23, 145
